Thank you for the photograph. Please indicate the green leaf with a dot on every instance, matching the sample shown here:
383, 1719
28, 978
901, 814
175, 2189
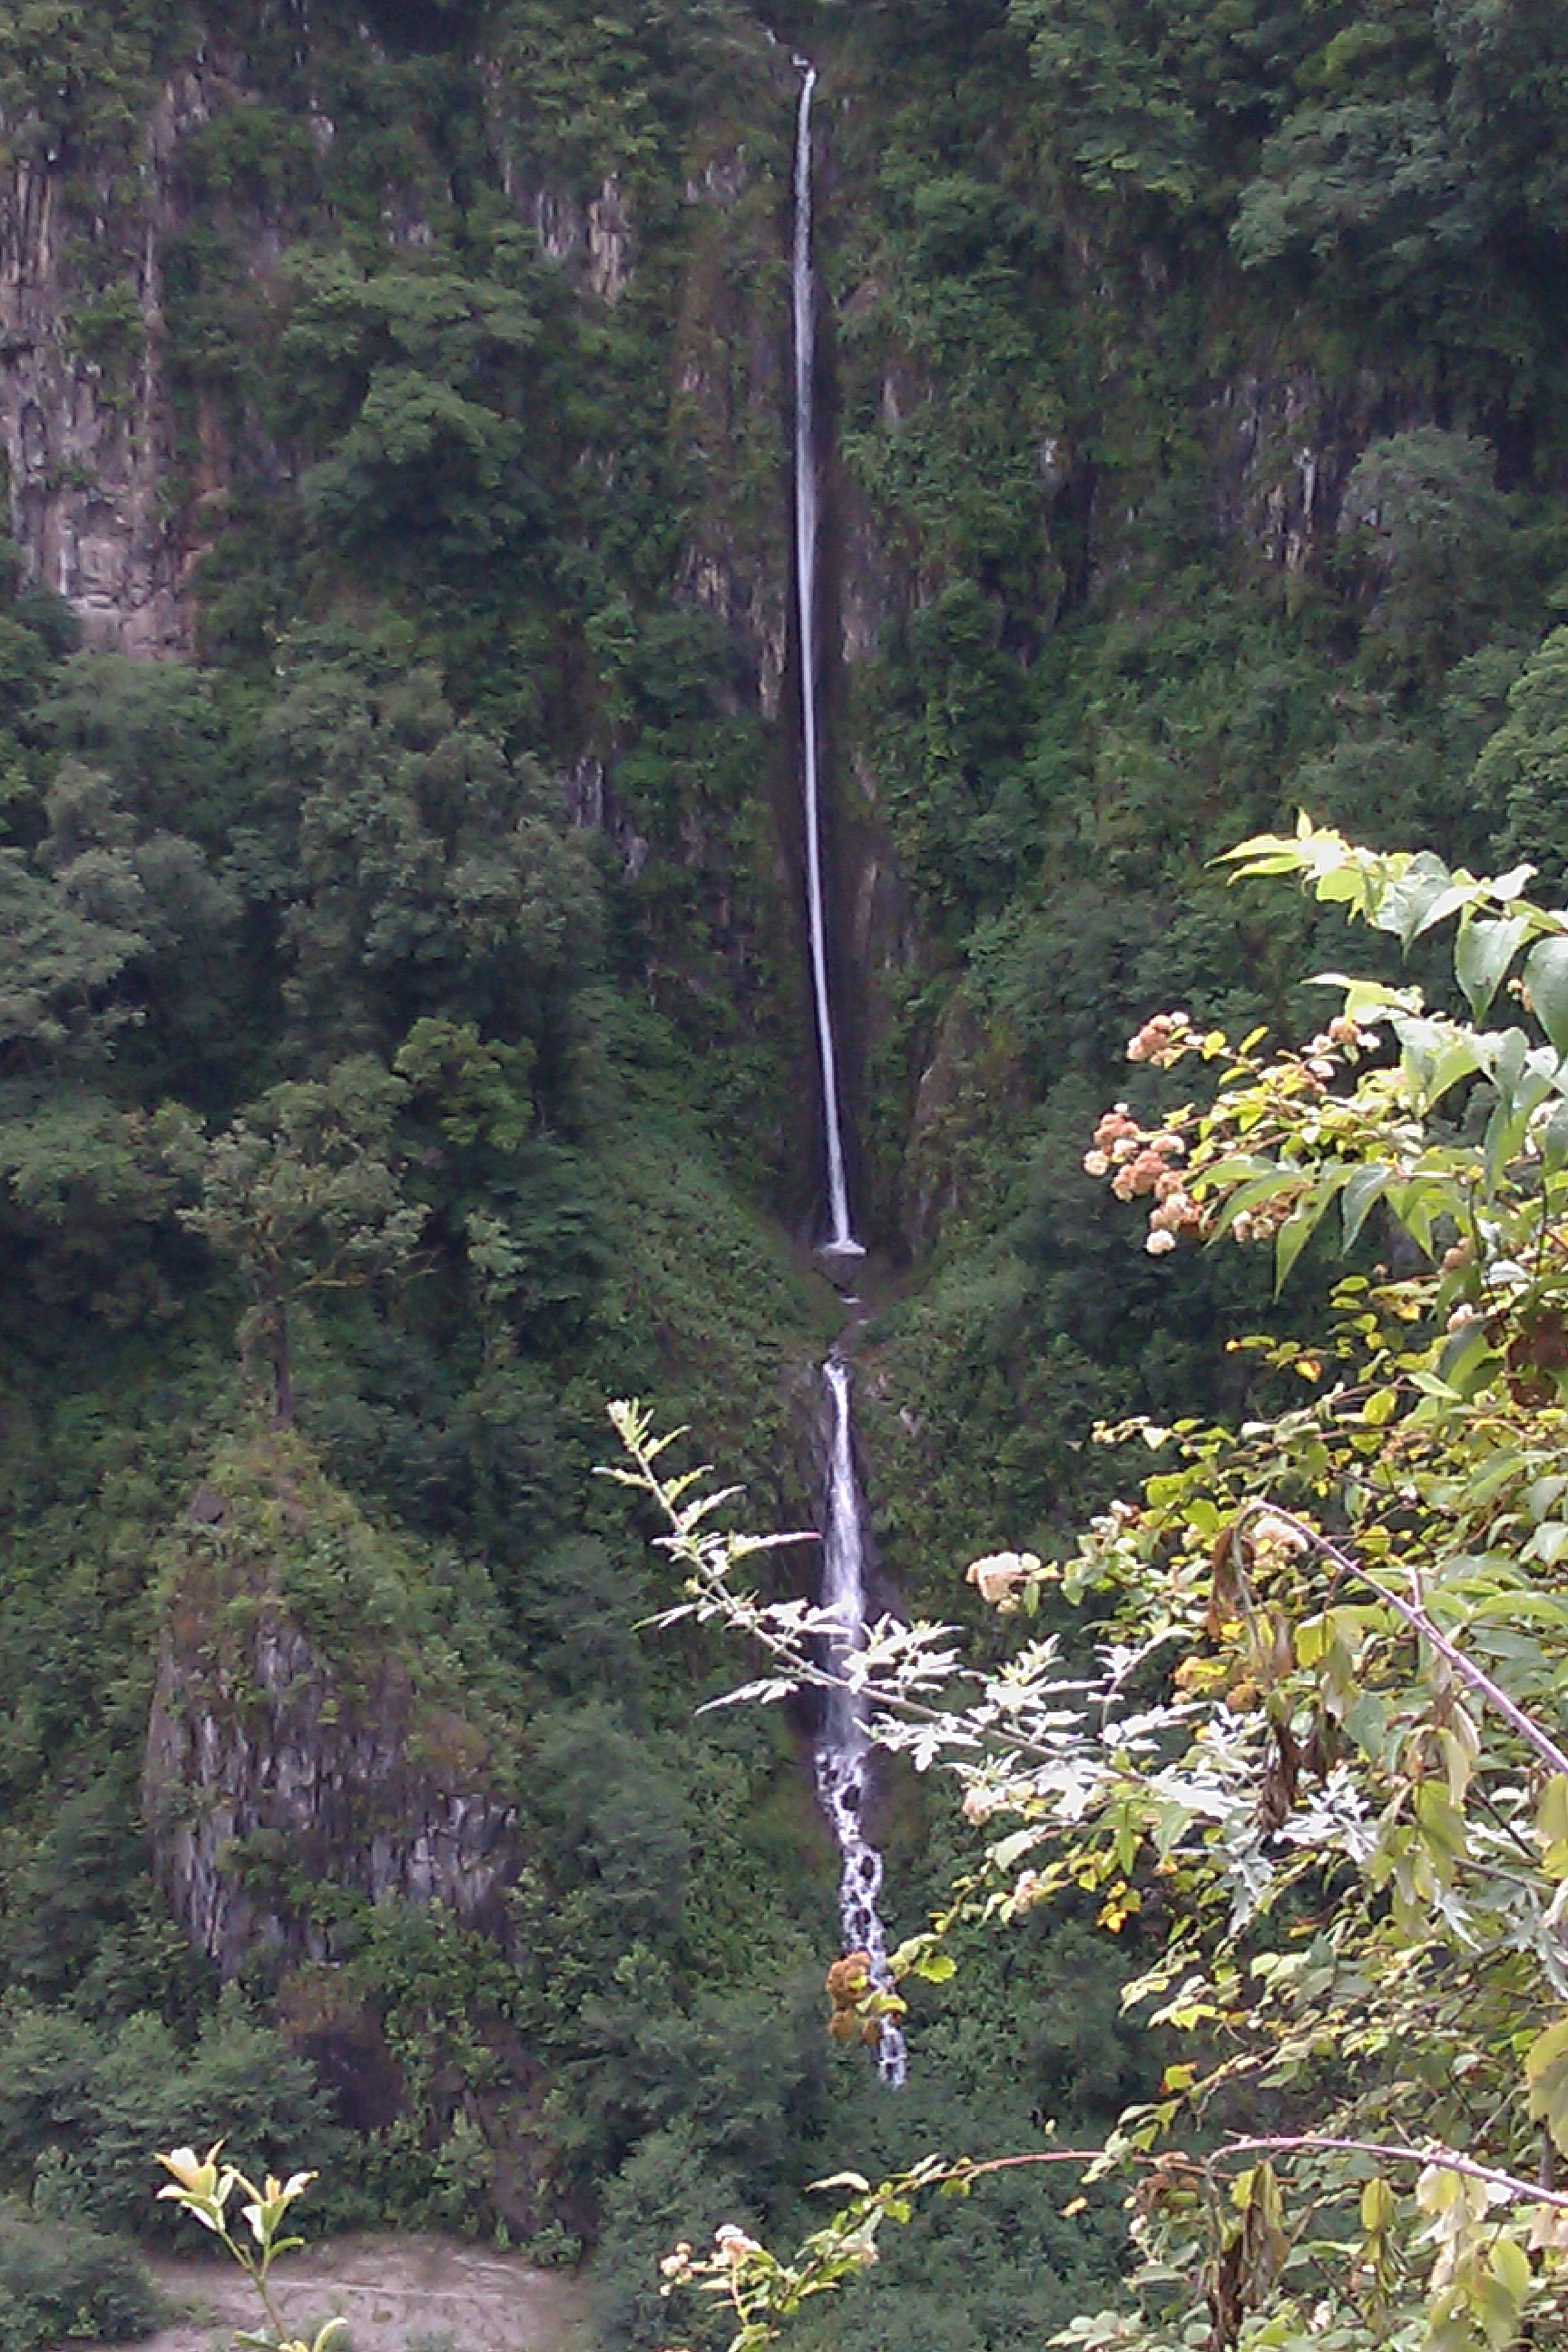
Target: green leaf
1466, 1358
935, 1967
1510, 2266
1442, 1824
1554, 1140
1363, 1188
1300, 1225
1462, 891
1541, 1493
1408, 905
1546, 2073
1482, 955
1312, 1640
1436, 1056
1552, 1812
1376, 2204
1546, 979
1250, 1195
1414, 1205
1497, 2306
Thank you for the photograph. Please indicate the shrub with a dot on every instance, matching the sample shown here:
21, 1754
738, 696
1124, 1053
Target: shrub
59, 2279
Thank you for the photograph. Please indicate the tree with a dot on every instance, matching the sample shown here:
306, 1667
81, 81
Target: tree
303, 1190
1522, 775
434, 877
416, 371
1436, 535
1310, 1767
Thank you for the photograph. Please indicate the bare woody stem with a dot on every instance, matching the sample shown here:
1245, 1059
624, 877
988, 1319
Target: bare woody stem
1444, 2159
686, 1545
257, 2273
1529, 2192
1419, 1622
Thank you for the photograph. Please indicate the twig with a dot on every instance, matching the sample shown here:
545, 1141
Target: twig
1311, 2143
1419, 1622
1276, 2144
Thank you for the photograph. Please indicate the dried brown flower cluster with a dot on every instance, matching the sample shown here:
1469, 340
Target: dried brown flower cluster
848, 1983
1261, 1224
1141, 1161
1163, 1039
1344, 1035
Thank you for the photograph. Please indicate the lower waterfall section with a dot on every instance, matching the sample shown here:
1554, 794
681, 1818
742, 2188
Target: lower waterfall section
843, 1749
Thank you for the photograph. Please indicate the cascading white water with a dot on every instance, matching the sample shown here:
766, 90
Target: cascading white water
841, 1240
842, 1749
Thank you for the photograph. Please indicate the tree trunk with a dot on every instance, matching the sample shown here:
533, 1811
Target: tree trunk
282, 1370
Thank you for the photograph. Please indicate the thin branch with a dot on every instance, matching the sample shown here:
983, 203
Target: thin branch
1419, 1622
1444, 2159
803, 1668
1276, 2144
1034, 2156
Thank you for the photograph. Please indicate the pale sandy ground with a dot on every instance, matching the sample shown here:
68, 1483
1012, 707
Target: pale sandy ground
394, 2293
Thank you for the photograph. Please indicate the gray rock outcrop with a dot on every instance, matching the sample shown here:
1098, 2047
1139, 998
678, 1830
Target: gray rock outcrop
290, 1749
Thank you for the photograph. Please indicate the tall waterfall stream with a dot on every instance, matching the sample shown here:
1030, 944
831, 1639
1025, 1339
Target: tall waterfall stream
843, 1749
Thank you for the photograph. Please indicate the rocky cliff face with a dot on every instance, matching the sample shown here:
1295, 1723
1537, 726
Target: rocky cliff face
115, 489
86, 424
302, 1738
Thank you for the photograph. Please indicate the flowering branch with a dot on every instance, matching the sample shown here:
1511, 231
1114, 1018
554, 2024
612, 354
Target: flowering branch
204, 2190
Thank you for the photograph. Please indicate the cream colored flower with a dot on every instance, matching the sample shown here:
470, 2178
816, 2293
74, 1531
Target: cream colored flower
998, 1576
198, 2184
266, 2215
1268, 1530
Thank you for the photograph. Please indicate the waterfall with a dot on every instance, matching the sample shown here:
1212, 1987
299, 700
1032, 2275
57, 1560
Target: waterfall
841, 1240
843, 1749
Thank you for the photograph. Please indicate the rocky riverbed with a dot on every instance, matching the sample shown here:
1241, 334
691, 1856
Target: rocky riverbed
397, 2293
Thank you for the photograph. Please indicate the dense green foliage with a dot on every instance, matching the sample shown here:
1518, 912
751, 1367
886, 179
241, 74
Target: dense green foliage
60, 2278
1193, 513
400, 1012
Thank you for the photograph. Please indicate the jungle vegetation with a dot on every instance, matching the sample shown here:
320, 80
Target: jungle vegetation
401, 1037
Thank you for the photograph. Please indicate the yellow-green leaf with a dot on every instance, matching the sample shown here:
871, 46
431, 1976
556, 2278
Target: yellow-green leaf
1546, 2073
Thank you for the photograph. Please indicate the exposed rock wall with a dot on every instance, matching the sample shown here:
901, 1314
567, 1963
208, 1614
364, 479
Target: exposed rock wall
280, 1761
1284, 447
732, 412
88, 441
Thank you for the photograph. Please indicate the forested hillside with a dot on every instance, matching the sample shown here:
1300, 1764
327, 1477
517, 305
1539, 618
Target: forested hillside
402, 1034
